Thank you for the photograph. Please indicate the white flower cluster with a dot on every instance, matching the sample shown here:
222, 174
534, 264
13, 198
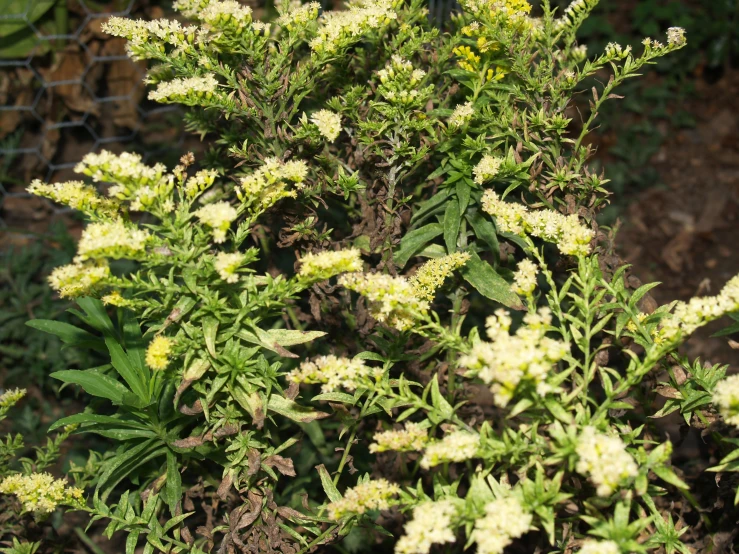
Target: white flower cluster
77, 195
334, 373
226, 14
11, 397
112, 239
145, 37
524, 278
227, 264
431, 524
328, 123
676, 36
218, 216
461, 114
392, 299
687, 317
431, 275
591, 546
456, 446
412, 437
341, 28
324, 265
299, 16
199, 182
604, 460
726, 398
486, 169
372, 495
120, 168
186, 91
615, 51
528, 355
504, 520
190, 8
566, 231
268, 184
78, 279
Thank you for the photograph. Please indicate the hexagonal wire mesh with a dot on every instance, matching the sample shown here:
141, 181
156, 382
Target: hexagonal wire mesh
66, 89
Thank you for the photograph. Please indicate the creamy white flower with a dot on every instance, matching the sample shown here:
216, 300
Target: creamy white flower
504, 520
431, 524
181, 90
591, 546
431, 275
328, 123
334, 373
227, 264
112, 239
412, 437
78, 279
524, 279
461, 114
217, 216
372, 495
324, 265
604, 460
726, 398
456, 446
486, 169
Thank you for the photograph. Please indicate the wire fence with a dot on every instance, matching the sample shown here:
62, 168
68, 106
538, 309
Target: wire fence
67, 89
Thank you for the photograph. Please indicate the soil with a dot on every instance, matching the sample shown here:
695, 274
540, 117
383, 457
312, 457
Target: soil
684, 232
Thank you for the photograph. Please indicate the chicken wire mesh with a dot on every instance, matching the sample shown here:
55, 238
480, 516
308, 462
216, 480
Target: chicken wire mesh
67, 89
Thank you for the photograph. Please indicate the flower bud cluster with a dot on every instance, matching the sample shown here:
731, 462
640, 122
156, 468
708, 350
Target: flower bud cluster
399, 83
269, 183
148, 38
604, 459
227, 264
456, 446
339, 29
486, 169
527, 355
431, 524
371, 495
591, 546
299, 17
726, 398
412, 437
392, 299
226, 15
218, 216
11, 397
79, 279
504, 520
158, 353
524, 278
431, 275
334, 373
76, 195
324, 265
461, 115
190, 91
328, 123
570, 236
689, 316
40, 492
112, 239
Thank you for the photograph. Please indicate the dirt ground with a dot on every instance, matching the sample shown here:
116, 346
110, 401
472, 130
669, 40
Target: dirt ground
685, 233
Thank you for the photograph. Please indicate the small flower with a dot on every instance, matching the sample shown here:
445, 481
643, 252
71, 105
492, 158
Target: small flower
431, 275
40, 492
456, 446
372, 495
327, 264
461, 114
392, 299
78, 279
334, 373
726, 398
227, 264
605, 460
328, 123
158, 353
11, 397
676, 36
199, 182
300, 16
267, 185
431, 524
524, 279
486, 169
115, 299
228, 13
218, 216
504, 520
591, 546
412, 438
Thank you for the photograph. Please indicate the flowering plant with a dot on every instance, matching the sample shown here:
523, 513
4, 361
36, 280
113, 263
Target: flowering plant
266, 342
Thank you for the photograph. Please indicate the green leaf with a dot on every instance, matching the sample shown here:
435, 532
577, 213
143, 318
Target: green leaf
292, 410
94, 383
415, 241
452, 221
328, 485
486, 280
427, 207
485, 231
126, 369
173, 487
210, 332
95, 315
287, 337
335, 397
463, 195
68, 334
93, 418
